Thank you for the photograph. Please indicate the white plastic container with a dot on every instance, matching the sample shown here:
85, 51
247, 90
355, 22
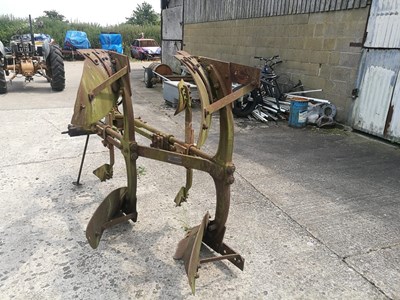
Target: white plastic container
171, 95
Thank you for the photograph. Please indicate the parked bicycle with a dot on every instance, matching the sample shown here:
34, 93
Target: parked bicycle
271, 92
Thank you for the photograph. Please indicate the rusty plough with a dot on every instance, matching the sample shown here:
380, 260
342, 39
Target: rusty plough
105, 85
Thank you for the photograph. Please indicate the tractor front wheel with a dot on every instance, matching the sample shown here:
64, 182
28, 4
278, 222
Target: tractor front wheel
55, 68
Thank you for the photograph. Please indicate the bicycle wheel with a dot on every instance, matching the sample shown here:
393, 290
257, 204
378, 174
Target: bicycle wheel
289, 87
285, 83
271, 91
245, 105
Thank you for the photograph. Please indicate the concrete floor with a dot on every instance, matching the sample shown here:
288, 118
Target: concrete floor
315, 212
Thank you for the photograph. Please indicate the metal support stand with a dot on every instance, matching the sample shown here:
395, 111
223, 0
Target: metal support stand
77, 183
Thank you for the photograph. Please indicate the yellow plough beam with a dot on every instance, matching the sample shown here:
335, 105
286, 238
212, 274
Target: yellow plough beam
104, 85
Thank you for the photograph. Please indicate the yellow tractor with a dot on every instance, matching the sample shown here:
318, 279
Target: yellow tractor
23, 58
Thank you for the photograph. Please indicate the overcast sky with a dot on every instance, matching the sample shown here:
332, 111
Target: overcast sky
102, 12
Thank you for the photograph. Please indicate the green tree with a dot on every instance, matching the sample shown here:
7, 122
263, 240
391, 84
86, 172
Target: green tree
143, 15
54, 15
10, 25
52, 26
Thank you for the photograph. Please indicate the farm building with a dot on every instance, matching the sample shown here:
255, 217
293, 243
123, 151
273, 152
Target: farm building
349, 49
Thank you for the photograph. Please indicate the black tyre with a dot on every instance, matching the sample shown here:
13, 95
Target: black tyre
148, 76
244, 106
48, 73
3, 82
55, 68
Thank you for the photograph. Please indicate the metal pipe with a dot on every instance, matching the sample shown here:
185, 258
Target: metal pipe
163, 77
108, 130
32, 36
304, 92
114, 142
143, 133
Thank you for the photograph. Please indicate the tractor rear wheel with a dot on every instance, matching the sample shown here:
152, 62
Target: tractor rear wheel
3, 82
55, 68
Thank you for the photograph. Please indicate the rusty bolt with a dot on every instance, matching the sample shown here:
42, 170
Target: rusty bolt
134, 147
230, 179
230, 169
134, 156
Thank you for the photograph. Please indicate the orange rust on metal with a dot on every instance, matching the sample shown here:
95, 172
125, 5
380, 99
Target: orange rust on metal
203, 87
109, 81
160, 68
229, 98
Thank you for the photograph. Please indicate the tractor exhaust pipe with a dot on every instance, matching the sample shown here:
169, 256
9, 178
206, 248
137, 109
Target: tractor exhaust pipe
32, 36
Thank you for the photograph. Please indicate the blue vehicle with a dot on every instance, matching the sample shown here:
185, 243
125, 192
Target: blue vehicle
111, 41
76, 40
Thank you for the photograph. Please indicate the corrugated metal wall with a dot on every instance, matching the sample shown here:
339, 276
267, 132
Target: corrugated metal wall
384, 25
374, 110
377, 110
199, 11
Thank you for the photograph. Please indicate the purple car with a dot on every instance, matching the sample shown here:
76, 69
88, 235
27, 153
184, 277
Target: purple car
145, 49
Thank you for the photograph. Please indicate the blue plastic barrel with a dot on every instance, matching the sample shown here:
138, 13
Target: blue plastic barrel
298, 112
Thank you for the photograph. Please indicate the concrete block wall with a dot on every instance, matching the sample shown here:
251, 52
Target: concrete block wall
315, 48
